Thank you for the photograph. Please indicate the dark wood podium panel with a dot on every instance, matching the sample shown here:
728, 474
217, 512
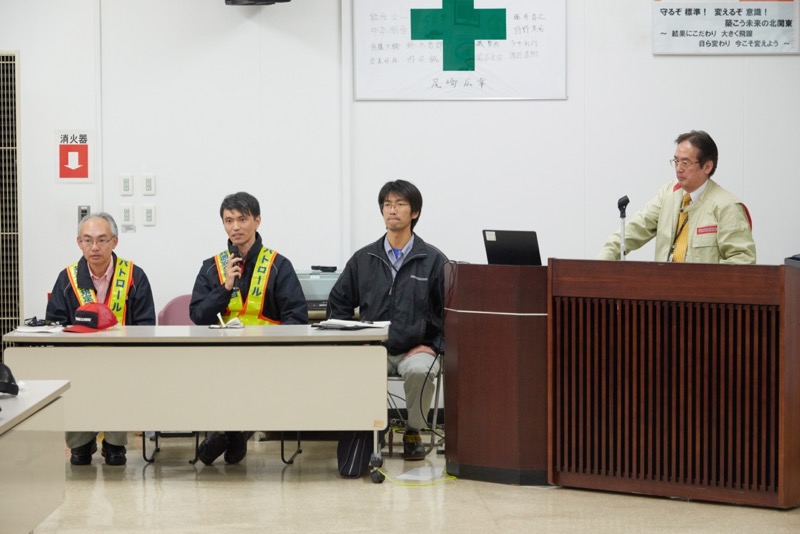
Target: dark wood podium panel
678, 380
496, 373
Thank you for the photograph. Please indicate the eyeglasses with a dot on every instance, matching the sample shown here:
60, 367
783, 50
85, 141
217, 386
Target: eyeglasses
395, 205
101, 241
34, 321
682, 163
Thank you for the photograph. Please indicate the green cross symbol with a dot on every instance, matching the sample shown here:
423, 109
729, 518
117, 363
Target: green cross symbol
458, 25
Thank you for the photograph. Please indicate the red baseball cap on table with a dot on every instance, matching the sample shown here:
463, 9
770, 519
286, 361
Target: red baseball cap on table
92, 317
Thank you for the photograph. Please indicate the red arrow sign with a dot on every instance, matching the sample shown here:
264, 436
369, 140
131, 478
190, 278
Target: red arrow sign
73, 161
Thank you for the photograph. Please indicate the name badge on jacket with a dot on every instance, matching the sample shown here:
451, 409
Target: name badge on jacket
702, 230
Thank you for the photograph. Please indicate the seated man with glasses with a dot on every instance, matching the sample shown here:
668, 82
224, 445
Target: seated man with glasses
399, 278
692, 218
100, 276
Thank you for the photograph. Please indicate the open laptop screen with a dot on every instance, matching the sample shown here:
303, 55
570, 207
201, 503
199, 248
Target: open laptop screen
511, 247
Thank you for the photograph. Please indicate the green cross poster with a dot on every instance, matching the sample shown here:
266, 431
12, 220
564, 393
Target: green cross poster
459, 49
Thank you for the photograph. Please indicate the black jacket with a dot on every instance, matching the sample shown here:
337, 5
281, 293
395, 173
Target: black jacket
285, 300
139, 307
413, 301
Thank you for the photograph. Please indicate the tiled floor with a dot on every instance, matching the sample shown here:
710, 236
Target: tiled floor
264, 495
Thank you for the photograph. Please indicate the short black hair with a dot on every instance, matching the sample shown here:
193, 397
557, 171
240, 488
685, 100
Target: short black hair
706, 147
244, 203
405, 190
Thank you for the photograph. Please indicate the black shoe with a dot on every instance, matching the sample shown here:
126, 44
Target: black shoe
115, 454
412, 446
83, 455
237, 447
212, 447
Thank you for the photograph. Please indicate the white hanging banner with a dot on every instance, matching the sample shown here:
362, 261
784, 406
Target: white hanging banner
459, 49
741, 27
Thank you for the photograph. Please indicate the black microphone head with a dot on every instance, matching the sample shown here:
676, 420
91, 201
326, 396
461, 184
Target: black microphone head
622, 204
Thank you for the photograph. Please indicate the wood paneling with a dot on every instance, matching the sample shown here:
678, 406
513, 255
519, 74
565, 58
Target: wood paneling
677, 380
496, 373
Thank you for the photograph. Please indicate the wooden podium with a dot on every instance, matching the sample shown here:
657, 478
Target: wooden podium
678, 380
496, 373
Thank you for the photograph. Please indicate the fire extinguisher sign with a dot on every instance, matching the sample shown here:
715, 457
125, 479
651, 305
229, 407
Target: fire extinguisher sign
74, 151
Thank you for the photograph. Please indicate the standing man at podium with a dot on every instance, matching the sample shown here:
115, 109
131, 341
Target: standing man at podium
400, 278
692, 218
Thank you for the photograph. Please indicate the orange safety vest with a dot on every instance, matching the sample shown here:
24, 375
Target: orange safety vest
117, 290
249, 311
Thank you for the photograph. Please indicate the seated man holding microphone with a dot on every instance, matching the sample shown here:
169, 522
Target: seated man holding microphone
250, 282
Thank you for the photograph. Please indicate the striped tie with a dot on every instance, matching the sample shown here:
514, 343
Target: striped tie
682, 239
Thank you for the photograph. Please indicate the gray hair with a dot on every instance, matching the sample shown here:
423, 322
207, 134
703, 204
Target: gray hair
102, 215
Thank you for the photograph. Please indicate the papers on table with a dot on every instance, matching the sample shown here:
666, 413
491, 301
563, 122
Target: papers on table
233, 323
341, 324
51, 329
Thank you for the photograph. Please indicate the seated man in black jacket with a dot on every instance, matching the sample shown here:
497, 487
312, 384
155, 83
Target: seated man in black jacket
250, 282
400, 278
100, 276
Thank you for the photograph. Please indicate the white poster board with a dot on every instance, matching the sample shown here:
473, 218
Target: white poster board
741, 27
459, 49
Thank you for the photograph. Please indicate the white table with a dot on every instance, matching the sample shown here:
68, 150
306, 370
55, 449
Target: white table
188, 378
32, 476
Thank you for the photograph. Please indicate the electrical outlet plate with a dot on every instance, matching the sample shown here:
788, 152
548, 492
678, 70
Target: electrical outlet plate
149, 215
126, 185
127, 213
149, 184
83, 211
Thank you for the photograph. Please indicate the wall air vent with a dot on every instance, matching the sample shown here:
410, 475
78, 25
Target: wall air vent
10, 280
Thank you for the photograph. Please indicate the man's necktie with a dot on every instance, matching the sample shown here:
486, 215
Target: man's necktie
682, 237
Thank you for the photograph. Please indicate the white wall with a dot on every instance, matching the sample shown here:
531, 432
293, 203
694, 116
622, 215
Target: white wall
214, 99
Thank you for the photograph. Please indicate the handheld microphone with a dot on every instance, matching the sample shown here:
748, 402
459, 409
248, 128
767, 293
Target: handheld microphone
622, 204
235, 254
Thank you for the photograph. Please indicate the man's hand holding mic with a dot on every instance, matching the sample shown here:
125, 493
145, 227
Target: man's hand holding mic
234, 269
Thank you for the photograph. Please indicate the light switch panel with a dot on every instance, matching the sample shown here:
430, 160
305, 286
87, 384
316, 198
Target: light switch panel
149, 184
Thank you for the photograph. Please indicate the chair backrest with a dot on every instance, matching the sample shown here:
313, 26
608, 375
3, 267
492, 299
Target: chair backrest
176, 311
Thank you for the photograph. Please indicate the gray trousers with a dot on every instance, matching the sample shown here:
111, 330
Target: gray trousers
76, 439
418, 382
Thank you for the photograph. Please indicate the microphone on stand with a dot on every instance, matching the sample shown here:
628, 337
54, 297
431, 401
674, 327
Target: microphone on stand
622, 204
235, 254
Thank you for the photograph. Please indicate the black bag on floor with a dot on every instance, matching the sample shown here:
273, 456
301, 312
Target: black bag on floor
353, 453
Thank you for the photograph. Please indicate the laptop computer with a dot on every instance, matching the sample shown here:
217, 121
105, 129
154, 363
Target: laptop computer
511, 247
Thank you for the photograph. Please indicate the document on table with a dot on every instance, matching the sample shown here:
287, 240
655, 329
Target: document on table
341, 324
233, 323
